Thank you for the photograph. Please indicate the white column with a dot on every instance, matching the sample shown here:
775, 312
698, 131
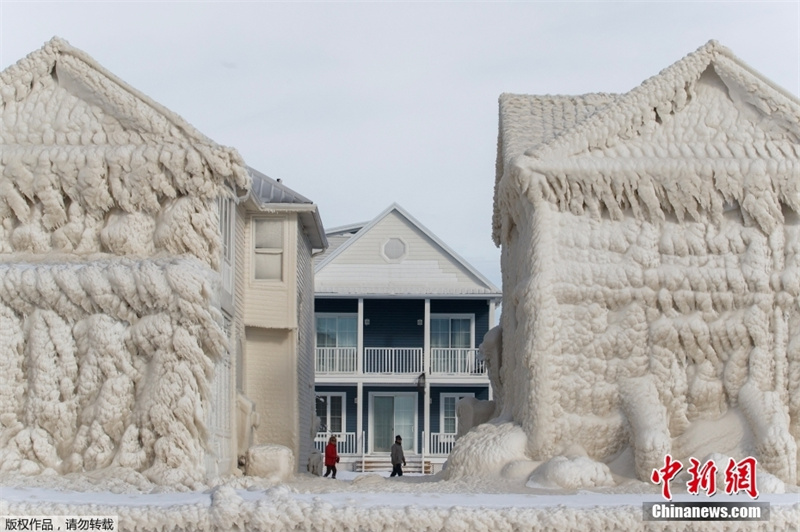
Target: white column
491, 324
360, 415
360, 341
426, 362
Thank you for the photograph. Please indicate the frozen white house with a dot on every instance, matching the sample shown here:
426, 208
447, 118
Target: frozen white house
123, 296
651, 272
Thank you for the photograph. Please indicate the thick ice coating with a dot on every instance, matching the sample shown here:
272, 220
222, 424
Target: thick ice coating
651, 274
109, 242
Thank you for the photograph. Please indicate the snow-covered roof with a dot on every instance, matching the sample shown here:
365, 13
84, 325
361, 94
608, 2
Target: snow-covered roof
112, 113
709, 116
267, 194
356, 265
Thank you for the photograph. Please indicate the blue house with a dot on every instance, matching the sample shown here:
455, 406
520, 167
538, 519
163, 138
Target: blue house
399, 317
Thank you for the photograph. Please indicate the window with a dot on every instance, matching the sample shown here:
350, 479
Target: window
452, 331
337, 330
268, 247
227, 210
449, 419
330, 410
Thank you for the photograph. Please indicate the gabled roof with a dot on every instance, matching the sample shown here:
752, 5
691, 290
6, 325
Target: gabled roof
387, 279
112, 113
635, 150
267, 194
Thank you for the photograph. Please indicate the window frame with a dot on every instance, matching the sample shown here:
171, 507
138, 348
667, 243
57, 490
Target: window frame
458, 396
327, 420
268, 251
451, 316
336, 315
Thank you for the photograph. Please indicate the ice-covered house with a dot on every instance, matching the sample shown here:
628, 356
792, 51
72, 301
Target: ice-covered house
118, 287
651, 269
399, 317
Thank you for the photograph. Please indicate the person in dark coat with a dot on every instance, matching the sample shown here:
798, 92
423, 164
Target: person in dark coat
331, 457
398, 457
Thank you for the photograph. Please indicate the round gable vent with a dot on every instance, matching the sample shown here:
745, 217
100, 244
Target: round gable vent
394, 249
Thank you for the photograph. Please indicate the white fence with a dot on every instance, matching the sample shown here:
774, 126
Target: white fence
441, 443
456, 361
393, 360
336, 360
346, 442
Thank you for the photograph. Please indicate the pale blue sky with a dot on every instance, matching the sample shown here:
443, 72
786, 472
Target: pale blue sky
358, 105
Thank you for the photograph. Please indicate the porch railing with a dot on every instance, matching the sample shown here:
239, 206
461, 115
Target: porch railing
456, 361
346, 442
442, 443
393, 360
336, 360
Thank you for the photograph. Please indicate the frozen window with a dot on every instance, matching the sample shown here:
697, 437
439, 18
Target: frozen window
268, 256
227, 211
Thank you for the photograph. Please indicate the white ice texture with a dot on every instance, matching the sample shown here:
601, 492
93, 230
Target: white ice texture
651, 281
109, 245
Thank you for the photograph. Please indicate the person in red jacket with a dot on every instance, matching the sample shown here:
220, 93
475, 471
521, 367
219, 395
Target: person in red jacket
331, 457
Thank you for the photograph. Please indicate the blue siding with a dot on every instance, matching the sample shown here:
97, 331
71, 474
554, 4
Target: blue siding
481, 392
393, 323
336, 305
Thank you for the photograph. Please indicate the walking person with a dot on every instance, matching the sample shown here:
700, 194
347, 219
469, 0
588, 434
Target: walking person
331, 457
398, 457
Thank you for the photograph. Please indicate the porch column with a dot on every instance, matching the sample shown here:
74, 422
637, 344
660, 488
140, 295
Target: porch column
360, 339
491, 324
360, 416
426, 365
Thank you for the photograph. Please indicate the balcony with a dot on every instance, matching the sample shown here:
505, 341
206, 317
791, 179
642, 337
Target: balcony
399, 361
456, 361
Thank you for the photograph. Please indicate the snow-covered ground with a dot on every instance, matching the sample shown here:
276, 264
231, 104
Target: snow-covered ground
369, 502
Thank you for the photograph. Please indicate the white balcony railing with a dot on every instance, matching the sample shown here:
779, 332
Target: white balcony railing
442, 443
456, 361
393, 360
336, 360
346, 442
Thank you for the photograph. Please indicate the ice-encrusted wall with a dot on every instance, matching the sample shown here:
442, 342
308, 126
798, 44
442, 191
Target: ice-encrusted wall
109, 246
651, 278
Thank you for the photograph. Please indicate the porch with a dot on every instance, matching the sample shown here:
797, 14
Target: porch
352, 449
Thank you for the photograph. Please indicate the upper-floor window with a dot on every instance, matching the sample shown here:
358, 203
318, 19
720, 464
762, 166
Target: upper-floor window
268, 241
227, 211
337, 330
455, 331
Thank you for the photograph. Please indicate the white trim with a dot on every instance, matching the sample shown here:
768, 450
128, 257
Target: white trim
343, 395
335, 315
372, 395
442, 397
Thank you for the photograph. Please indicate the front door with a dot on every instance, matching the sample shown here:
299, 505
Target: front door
393, 415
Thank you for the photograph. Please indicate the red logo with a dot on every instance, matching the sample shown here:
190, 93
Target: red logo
739, 476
